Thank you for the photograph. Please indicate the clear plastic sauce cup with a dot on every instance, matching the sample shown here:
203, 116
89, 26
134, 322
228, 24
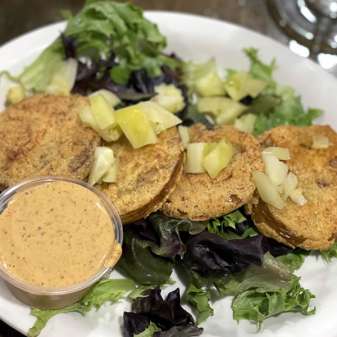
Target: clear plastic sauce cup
44, 296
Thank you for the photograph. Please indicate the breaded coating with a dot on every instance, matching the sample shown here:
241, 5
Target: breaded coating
314, 225
146, 176
200, 197
43, 135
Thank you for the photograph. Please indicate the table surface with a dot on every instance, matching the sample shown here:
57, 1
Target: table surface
20, 16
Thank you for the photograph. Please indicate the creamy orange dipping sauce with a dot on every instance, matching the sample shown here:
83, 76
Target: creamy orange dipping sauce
56, 234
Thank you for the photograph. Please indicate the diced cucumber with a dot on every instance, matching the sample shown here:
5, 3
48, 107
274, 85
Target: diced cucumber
209, 85
169, 97
224, 109
136, 126
204, 78
111, 175
268, 192
209, 147
110, 134
160, 118
103, 160
110, 97
63, 80
275, 169
245, 123
194, 158
290, 184
241, 84
217, 106
184, 135
218, 158
298, 198
87, 117
15, 94
102, 112
320, 142
281, 153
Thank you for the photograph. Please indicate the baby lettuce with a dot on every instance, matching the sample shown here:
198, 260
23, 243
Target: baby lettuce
217, 258
153, 316
104, 291
232, 226
259, 304
259, 292
105, 30
140, 264
329, 254
151, 245
294, 259
277, 105
209, 254
199, 299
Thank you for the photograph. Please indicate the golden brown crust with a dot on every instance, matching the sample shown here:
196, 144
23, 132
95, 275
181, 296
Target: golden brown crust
314, 225
42, 136
146, 176
199, 197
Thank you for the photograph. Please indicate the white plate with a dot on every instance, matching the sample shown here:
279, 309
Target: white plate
193, 37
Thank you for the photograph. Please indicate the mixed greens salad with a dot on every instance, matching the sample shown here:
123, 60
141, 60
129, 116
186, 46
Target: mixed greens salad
118, 50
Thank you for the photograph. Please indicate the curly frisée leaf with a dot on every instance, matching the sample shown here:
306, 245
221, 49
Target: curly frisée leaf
276, 105
257, 305
264, 291
258, 69
199, 299
329, 254
149, 331
101, 292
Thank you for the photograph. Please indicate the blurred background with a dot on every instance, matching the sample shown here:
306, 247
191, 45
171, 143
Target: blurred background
307, 27
18, 16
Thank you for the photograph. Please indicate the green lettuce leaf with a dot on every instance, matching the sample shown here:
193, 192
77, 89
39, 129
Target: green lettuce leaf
151, 245
259, 292
226, 226
100, 29
272, 275
293, 260
168, 231
37, 75
258, 304
140, 264
103, 291
149, 331
329, 254
198, 299
104, 26
265, 291
258, 69
277, 105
